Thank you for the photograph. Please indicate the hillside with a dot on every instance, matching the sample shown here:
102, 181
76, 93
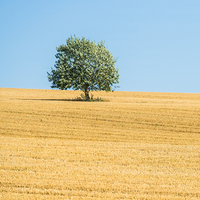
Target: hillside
134, 145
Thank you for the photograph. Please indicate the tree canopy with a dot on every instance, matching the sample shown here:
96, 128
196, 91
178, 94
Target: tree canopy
83, 65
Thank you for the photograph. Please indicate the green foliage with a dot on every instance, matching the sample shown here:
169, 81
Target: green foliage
83, 65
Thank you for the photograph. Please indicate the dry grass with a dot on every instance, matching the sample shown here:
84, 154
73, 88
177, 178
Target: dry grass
133, 146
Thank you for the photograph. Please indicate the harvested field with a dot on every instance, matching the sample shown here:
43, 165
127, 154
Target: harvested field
134, 145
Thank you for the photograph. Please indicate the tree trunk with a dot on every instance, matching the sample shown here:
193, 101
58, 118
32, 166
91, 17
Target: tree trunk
87, 96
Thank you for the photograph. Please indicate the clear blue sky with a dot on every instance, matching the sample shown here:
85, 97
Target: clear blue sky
156, 42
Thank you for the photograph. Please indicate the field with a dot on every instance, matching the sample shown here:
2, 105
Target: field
134, 145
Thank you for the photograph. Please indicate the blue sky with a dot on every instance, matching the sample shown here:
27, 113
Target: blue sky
156, 42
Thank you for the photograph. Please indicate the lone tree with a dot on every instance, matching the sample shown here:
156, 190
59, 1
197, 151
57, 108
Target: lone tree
83, 65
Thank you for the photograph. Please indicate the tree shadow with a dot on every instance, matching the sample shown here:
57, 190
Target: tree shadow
52, 100
75, 99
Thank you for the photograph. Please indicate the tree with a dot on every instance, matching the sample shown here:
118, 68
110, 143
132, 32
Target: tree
83, 65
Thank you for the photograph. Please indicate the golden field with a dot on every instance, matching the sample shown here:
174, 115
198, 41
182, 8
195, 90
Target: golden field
134, 145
